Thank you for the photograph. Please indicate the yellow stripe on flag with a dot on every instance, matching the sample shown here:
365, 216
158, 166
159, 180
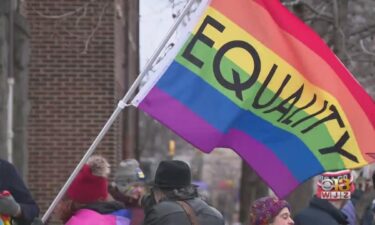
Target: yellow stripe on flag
268, 59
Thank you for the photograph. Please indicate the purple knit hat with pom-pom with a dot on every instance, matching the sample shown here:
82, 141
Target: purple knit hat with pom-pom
265, 209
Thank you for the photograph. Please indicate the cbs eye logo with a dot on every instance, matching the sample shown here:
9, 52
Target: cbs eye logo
334, 184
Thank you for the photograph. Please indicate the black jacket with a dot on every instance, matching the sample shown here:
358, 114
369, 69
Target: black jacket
171, 213
105, 207
368, 216
320, 212
11, 181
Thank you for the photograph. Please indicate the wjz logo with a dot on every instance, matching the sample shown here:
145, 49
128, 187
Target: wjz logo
335, 187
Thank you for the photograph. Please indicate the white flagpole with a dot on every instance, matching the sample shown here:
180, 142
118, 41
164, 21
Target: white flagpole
120, 106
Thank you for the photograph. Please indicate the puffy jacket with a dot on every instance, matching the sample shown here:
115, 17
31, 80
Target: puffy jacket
10, 180
320, 212
104, 213
171, 213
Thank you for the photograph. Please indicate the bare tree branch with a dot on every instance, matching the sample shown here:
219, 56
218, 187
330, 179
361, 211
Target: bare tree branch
82, 15
177, 3
363, 32
119, 12
319, 13
363, 29
314, 18
64, 15
132, 41
89, 38
79, 13
364, 48
292, 3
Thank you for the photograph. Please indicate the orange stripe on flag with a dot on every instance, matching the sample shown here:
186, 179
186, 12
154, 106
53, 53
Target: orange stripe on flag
261, 25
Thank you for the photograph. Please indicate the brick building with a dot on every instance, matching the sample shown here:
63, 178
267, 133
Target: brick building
78, 60
76, 77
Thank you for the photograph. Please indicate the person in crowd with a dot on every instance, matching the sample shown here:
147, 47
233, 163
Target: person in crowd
87, 200
270, 211
174, 200
349, 208
16, 201
369, 215
128, 187
325, 208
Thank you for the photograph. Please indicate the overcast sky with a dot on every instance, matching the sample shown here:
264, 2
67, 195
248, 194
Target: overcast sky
155, 21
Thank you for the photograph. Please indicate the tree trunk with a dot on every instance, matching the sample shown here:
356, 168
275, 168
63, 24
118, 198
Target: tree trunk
252, 187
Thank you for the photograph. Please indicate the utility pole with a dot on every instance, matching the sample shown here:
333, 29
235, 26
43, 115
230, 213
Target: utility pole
130, 116
10, 133
4, 10
21, 106
14, 59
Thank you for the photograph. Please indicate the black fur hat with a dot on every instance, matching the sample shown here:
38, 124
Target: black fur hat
172, 174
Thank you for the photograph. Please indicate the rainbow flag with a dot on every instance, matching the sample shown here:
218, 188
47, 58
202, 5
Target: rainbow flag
4, 220
248, 75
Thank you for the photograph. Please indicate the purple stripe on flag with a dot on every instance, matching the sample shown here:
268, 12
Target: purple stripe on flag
194, 129
181, 119
263, 161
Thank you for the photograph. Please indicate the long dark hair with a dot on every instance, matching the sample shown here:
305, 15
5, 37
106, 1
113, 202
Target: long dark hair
181, 194
68, 208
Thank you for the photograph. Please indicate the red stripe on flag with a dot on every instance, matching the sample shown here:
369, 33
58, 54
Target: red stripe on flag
291, 24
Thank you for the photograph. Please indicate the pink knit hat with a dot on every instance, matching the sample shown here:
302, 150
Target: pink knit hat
265, 209
91, 183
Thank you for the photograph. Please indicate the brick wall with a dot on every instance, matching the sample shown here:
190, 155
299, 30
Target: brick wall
72, 89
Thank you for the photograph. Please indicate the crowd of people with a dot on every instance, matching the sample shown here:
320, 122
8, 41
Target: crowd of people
170, 199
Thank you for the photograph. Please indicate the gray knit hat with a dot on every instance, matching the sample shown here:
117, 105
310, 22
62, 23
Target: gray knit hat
128, 172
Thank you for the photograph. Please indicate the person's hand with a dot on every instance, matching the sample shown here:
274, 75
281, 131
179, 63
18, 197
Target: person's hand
37, 221
8, 206
135, 192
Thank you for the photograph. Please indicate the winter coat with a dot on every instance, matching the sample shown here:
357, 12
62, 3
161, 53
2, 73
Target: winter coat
169, 212
349, 211
349, 208
104, 213
320, 212
10, 180
368, 216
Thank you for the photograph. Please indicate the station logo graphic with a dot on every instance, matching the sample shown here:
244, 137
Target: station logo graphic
335, 185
